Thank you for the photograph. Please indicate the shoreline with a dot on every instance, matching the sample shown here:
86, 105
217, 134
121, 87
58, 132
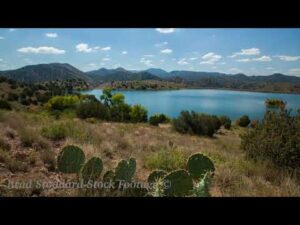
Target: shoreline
195, 88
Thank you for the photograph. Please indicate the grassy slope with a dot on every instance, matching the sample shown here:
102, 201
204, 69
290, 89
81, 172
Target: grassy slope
235, 176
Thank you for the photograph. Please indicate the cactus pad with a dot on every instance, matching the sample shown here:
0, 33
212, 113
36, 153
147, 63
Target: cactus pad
70, 159
179, 184
92, 169
198, 165
155, 175
202, 188
108, 176
125, 170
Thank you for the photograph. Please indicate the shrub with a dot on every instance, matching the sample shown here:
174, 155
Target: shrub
274, 103
196, 123
43, 97
138, 114
118, 98
12, 97
10, 133
92, 109
275, 139
48, 158
28, 137
25, 101
243, 121
11, 163
56, 131
120, 112
225, 121
3, 79
166, 160
62, 102
4, 144
158, 118
227, 125
4, 105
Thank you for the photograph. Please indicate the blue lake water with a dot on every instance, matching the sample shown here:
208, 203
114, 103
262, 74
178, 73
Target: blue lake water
218, 102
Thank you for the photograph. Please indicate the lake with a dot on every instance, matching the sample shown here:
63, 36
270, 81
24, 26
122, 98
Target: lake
218, 102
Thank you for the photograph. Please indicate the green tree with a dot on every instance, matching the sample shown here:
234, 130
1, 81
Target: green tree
106, 97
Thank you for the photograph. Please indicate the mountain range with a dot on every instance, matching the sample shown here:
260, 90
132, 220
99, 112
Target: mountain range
45, 72
63, 71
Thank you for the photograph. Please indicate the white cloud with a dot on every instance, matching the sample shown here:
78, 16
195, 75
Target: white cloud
243, 60
166, 51
2, 38
162, 60
11, 30
248, 51
147, 62
193, 58
92, 65
41, 50
107, 48
288, 58
210, 58
270, 68
182, 61
151, 56
124, 53
165, 30
51, 35
83, 47
162, 44
1, 60
295, 71
263, 59
106, 59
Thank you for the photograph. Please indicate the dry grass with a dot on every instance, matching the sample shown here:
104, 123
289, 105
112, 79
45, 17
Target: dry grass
234, 175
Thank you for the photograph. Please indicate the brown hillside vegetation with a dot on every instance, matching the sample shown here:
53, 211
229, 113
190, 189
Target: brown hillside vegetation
30, 143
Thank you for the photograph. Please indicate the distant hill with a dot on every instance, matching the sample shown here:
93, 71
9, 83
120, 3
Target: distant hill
45, 72
158, 72
120, 74
191, 79
271, 83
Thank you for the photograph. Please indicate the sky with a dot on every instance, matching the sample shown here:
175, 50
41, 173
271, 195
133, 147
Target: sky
249, 51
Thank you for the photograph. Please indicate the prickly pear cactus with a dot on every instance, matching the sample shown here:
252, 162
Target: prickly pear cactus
158, 188
198, 165
92, 169
202, 188
178, 183
108, 176
155, 175
70, 159
125, 170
